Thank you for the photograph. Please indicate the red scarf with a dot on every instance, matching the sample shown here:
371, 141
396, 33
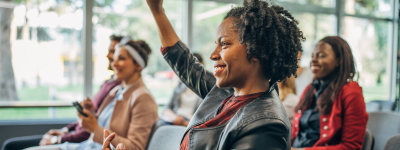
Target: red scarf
227, 110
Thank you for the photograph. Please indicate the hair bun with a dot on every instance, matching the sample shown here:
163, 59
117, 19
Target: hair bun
143, 45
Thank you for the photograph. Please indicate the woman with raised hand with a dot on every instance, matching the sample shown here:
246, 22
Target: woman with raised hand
331, 113
256, 46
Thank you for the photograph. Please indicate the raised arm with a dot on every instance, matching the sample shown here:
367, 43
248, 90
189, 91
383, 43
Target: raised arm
190, 71
166, 32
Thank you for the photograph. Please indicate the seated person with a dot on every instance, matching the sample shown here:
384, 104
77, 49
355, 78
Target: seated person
73, 132
331, 113
183, 104
129, 110
287, 93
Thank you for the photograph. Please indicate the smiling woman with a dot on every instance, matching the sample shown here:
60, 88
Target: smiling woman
256, 45
331, 112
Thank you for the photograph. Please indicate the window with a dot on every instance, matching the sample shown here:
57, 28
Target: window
377, 8
133, 18
207, 16
314, 27
46, 58
369, 41
322, 3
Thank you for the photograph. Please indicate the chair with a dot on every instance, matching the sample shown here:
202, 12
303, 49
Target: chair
166, 138
368, 141
380, 106
393, 143
383, 125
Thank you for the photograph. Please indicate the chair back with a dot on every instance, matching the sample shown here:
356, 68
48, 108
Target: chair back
383, 125
380, 106
166, 137
368, 141
393, 143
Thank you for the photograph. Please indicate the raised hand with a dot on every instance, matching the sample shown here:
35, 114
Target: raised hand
155, 5
107, 141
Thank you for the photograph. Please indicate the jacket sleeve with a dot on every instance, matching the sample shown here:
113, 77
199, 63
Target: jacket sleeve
272, 136
71, 126
143, 116
79, 135
354, 123
189, 70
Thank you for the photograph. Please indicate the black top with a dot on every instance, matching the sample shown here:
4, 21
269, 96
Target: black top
175, 102
309, 132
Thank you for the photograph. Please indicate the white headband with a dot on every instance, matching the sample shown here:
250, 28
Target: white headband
130, 50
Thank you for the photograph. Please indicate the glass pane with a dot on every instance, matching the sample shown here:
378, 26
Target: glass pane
369, 41
207, 16
133, 18
37, 113
377, 8
322, 3
45, 62
314, 28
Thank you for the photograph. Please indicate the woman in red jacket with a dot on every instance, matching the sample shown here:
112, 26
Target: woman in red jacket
331, 113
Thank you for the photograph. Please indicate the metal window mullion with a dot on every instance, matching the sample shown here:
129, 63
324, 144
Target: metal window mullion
393, 59
339, 16
87, 46
188, 23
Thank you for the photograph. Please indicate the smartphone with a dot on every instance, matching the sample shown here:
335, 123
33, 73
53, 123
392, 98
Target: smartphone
79, 108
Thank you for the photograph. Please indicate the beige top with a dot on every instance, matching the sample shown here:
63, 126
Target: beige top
290, 102
132, 119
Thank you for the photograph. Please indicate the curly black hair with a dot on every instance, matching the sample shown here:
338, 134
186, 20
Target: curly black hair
271, 35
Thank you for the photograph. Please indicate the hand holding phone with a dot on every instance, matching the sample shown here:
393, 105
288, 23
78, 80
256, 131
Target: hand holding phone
79, 108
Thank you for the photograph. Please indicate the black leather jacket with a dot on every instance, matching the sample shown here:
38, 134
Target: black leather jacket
260, 125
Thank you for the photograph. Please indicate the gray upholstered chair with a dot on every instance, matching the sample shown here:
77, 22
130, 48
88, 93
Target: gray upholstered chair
166, 138
393, 143
368, 141
380, 106
383, 125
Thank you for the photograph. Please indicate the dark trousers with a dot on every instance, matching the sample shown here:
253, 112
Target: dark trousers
19, 143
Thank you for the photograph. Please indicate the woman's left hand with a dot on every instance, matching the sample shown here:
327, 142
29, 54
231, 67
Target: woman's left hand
89, 123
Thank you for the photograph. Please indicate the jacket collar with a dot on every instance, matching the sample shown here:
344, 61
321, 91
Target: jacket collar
130, 88
215, 99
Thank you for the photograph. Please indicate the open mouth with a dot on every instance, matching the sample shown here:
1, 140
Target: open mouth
218, 70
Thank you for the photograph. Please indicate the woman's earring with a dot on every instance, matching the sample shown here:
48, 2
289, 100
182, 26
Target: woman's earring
351, 76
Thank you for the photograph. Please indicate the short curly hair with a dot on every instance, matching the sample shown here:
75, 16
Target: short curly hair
271, 35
